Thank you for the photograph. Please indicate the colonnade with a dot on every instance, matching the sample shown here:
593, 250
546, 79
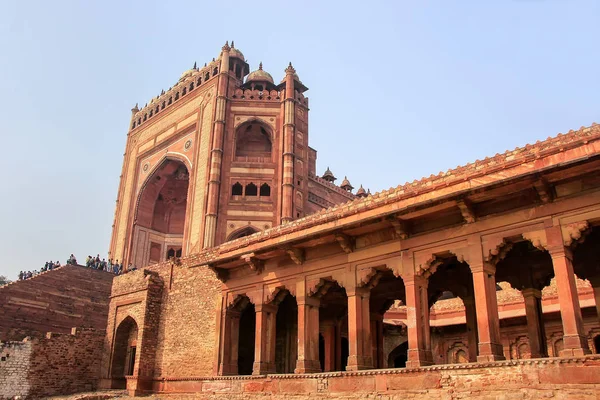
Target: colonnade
365, 328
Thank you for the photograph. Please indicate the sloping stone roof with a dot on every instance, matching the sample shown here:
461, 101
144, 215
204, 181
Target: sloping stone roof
467, 177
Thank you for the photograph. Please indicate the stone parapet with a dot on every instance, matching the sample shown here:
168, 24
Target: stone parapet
525, 378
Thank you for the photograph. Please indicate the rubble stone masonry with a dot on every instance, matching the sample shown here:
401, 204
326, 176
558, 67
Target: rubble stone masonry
56, 364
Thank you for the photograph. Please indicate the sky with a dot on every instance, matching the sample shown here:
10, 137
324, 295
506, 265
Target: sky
398, 90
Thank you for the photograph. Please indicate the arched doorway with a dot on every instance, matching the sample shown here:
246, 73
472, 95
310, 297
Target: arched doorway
124, 360
597, 344
398, 356
160, 215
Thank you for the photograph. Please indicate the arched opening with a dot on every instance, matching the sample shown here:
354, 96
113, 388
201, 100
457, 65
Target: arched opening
286, 333
399, 356
251, 189
160, 214
451, 286
597, 344
237, 189
333, 326
246, 340
586, 262
387, 295
253, 143
246, 231
124, 361
529, 270
265, 190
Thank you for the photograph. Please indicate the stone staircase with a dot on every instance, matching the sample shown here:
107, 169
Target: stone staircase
55, 301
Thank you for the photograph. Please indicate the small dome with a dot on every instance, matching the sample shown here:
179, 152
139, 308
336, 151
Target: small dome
236, 53
259, 75
361, 192
346, 185
328, 176
187, 73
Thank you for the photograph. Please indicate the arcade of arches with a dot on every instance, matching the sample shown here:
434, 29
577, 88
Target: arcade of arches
160, 215
452, 310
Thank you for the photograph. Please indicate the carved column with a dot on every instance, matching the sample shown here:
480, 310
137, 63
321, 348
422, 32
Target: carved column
417, 320
574, 340
330, 342
264, 351
216, 155
535, 324
359, 330
230, 321
486, 305
377, 340
595, 281
308, 335
289, 126
471, 317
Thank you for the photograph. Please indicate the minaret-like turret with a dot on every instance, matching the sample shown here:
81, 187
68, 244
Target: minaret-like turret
289, 127
216, 155
328, 176
346, 185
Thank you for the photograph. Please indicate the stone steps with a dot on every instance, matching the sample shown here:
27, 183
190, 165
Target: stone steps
57, 300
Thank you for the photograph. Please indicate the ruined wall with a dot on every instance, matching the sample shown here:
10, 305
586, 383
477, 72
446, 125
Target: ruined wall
56, 364
55, 301
182, 316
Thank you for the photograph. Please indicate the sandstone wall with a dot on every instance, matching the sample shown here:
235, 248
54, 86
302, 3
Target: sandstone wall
55, 301
56, 364
556, 379
182, 317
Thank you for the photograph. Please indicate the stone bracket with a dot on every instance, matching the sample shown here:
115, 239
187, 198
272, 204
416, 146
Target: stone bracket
400, 227
346, 242
544, 190
296, 254
254, 263
466, 209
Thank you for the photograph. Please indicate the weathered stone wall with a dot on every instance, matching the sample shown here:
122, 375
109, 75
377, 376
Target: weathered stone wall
182, 316
557, 379
55, 301
57, 364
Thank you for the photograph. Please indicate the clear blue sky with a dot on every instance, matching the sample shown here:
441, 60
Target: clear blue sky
398, 90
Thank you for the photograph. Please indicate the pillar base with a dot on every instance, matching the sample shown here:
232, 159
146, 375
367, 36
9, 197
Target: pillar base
228, 369
356, 363
574, 346
263, 368
490, 352
307, 367
419, 358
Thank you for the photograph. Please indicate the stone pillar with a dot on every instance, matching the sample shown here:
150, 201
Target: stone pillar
329, 337
574, 341
486, 305
535, 324
377, 340
595, 281
289, 127
471, 319
417, 321
216, 155
264, 351
229, 342
308, 335
359, 330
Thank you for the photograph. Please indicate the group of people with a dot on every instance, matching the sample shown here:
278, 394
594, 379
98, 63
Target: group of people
90, 262
108, 266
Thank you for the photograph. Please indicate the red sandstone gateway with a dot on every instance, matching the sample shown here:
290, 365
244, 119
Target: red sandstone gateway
283, 272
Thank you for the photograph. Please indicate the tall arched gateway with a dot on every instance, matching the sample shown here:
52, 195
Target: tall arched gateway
160, 215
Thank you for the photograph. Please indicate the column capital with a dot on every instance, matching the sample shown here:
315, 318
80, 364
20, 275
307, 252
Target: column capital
361, 291
486, 267
531, 292
269, 307
560, 251
308, 301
